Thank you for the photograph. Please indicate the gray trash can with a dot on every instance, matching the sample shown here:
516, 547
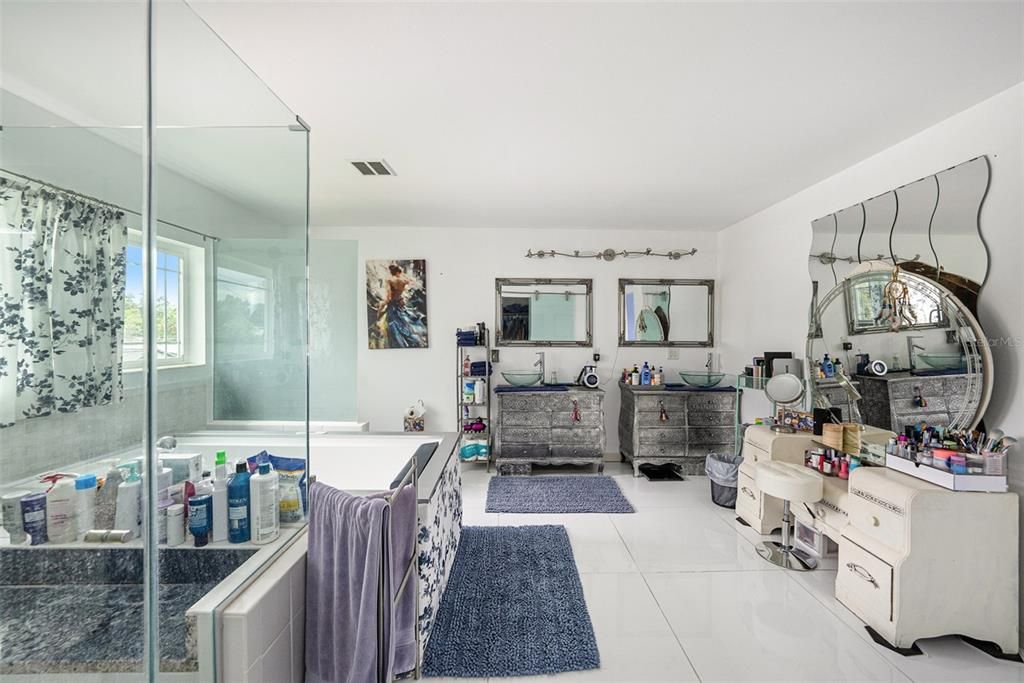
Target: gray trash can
723, 471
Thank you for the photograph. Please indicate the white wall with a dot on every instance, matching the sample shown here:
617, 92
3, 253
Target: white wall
763, 281
461, 267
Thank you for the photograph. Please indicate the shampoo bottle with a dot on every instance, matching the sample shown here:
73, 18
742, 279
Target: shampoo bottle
128, 511
238, 505
263, 505
220, 498
645, 374
61, 502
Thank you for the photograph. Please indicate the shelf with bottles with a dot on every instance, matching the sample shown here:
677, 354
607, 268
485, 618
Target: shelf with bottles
646, 375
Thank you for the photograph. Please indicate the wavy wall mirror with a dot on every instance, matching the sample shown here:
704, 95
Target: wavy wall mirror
930, 227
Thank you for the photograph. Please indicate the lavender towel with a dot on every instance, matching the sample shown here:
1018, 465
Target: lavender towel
346, 548
403, 544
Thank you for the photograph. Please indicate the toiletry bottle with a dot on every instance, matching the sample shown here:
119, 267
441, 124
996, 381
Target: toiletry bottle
200, 511
175, 524
827, 367
466, 366
265, 525
220, 498
33, 515
238, 505
106, 499
13, 523
634, 378
61, 502
128, 511
163, 504
85, 492
645, 374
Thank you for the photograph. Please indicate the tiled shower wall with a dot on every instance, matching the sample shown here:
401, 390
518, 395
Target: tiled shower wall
44, 443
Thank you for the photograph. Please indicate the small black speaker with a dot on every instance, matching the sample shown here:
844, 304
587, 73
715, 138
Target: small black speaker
823, 415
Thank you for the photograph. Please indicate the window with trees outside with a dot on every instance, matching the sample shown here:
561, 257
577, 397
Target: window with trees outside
170, 311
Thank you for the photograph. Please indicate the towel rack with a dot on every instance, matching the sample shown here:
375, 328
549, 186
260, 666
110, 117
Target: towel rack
411, 478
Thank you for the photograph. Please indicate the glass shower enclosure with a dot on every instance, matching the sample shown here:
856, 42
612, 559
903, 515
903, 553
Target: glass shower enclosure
153, 330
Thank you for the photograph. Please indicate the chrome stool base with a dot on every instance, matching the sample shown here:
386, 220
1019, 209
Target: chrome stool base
794, 559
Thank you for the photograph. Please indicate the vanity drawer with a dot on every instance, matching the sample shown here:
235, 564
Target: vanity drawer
864, 583
575, 451
653, 450
879, 518
517, 418
654, 401
719, 400
664, 435
585, 401
524, 450
588, 418
709, 435
748, 499
675, 418
752, 453
510, 435
536, 402
930, 386
902, 406
576, 435
708, 418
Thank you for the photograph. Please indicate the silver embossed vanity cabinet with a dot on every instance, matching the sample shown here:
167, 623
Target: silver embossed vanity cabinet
549, 428
659, 426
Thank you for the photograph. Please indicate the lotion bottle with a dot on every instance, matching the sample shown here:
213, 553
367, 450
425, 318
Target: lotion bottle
85, 491
128, 512
106, 499
264, 522
220, 498
61, 502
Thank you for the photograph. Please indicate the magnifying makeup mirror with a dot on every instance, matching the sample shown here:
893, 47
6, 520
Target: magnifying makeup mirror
784, 390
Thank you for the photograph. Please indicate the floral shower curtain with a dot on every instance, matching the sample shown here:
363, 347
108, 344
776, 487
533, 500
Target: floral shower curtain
62, 281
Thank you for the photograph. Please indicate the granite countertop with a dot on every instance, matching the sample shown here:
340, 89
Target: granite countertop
91, 628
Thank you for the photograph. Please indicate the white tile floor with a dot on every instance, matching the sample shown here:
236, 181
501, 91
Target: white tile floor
676, 592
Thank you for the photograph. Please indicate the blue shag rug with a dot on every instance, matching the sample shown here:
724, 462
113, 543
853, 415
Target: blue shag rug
555, 494
513, 607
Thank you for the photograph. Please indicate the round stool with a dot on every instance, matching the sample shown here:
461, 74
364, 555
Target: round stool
790, 483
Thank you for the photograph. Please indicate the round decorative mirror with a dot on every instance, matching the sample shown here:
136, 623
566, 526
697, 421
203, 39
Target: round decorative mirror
939, 365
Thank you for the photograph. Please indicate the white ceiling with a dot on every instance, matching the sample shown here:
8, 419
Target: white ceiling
598, 115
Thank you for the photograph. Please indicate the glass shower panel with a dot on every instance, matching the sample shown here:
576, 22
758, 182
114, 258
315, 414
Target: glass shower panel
230, 298
72, 405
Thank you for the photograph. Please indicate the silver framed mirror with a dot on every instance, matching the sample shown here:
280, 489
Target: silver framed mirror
941, 375
666, 312
543, 312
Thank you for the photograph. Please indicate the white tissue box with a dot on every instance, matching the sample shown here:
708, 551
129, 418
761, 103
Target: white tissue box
185, 466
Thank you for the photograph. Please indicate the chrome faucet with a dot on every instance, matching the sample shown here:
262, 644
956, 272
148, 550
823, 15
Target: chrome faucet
540, 364
708, 364
912, 349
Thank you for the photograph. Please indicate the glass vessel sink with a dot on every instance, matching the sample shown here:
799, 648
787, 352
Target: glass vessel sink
942, 361
702, 379
522, 379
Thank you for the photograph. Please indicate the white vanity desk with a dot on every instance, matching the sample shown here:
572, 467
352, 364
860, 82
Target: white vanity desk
915, 560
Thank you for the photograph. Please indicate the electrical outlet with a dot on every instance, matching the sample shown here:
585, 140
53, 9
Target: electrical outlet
597, 358
673, 353
495, 356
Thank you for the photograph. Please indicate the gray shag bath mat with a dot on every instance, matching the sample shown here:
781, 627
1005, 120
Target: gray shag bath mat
513, 607
555, 494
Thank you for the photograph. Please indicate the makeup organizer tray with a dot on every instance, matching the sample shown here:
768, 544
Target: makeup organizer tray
988, 483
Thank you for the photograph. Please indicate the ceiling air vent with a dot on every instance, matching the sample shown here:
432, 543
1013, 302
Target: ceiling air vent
373, 167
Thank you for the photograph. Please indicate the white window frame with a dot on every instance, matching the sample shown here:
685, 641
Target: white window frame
192, 266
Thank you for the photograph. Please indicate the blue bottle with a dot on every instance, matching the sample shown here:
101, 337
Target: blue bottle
645, 374
828, 367
238, 505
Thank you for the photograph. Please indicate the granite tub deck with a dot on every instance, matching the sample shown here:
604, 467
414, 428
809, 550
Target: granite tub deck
71, 610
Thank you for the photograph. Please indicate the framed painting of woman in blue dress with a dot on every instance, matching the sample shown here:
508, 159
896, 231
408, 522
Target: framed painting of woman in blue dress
396, 304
